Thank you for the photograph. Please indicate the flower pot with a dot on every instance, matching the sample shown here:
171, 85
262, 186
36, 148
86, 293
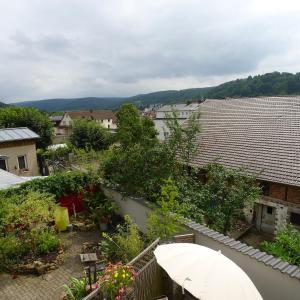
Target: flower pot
103, 226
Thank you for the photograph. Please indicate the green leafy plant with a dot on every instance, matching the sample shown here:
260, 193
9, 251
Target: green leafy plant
164, 221
47, 241
89, 134
224, 195
286, 245
25, 226
58, 184
32, 118
125, 244
76, 289
11, 251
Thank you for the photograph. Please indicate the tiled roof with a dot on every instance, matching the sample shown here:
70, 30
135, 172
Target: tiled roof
17, 134
269, 260
260, 134
93, 115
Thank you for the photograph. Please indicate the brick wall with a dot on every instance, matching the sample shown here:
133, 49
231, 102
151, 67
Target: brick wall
293, 194
277, 191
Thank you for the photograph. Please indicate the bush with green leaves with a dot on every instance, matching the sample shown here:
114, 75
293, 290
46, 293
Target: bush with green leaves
58, 184
165, 219
32, 118
125, 244
285, 246
12, 250
24, 226
89, 134
47, 241
224, 195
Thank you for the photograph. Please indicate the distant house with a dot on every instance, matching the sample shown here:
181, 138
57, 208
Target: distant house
18, 151
183, 112
63, 124
263, 136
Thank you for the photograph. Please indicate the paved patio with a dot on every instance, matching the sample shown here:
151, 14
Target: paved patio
49, 286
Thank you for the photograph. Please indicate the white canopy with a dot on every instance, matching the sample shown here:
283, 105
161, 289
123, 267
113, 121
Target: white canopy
205, 273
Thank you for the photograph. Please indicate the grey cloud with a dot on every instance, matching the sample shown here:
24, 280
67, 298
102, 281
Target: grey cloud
120, 48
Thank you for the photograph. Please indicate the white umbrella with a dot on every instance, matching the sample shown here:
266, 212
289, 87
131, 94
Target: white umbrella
205, 273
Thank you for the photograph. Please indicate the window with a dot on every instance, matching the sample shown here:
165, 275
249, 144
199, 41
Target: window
3, 164
269, 210
295, 219
22, 162
265, 186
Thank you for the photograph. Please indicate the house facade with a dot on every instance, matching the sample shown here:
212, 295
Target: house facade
261, 135
183, 112
18, 151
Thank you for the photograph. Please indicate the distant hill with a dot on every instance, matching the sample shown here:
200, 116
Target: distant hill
269, 84
113, 103
2, 104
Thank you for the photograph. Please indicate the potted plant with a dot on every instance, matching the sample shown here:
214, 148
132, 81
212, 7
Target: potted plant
115, 280
102, 214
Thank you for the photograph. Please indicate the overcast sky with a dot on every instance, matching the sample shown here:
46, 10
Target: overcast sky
77, 48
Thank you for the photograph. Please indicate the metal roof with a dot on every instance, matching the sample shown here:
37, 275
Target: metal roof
17, 134
56, 118
8, 180
259, 134
179, 107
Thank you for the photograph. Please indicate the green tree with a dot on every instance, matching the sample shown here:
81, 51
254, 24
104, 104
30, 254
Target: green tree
225, 194
132, 129
286, 245
28, 117
164, 221
88, 134
181, 142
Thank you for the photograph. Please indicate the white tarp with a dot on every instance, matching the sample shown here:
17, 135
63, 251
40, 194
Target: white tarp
8, 180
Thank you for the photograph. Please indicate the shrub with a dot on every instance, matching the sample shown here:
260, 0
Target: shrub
88, 134
125, 244
129, 240
76, 289
24, 226
286, 245
58, 184
11, 250
47, 241
164, 220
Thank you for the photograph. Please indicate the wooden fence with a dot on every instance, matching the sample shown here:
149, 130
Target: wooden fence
148, 283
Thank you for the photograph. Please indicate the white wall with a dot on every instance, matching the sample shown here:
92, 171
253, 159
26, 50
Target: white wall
271, 283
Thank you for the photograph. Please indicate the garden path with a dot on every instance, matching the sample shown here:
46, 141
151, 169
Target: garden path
49, 286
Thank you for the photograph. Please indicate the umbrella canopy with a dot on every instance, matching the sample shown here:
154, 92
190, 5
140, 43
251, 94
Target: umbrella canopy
205, 273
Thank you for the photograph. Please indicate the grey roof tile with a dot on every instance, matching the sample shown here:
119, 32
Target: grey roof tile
246, 249
260, 134
274, 262
252, 252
